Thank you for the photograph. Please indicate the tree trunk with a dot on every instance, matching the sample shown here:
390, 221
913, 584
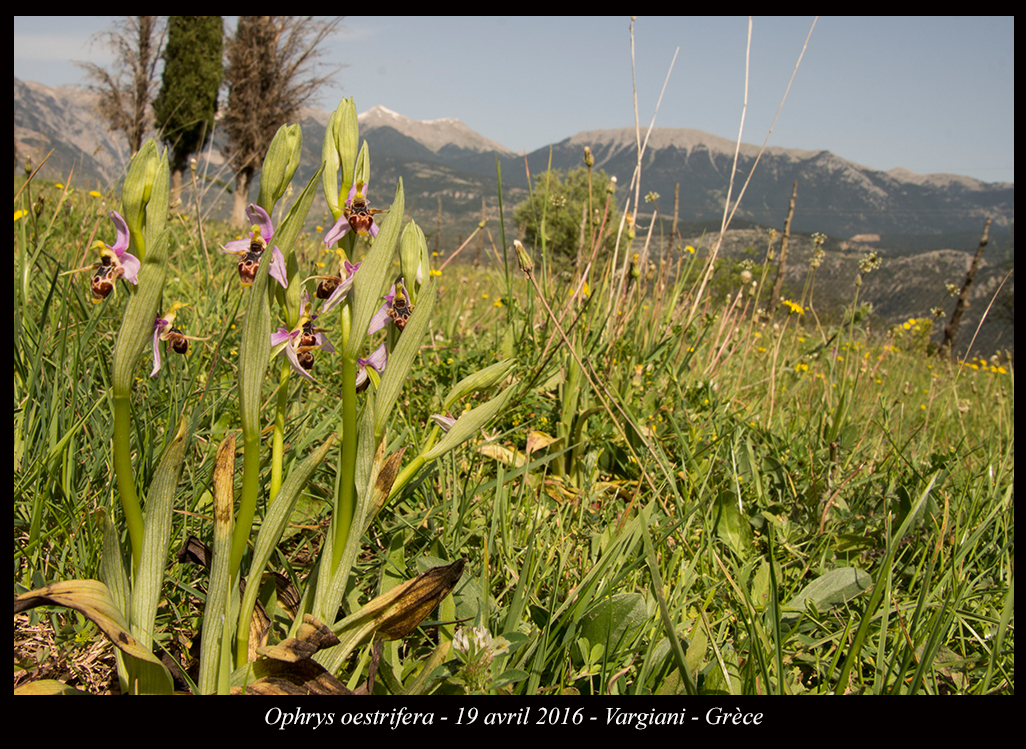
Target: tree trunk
676, 213
951, 329
778, 282
141, 82
242, 182
176, 188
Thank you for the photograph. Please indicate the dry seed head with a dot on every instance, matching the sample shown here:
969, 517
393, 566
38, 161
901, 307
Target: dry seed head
526, 263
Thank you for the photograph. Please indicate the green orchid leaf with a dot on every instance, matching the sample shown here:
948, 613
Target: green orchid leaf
149, 578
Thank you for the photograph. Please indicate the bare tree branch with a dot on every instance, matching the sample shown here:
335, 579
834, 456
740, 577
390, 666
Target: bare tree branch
270, 75
128, 88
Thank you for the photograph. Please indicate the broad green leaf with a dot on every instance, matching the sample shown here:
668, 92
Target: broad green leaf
140, 314
136, 330
613, 620
831, 589
272, 528
285, 239
761, 586
369, 281
254, 355
401, 360
732, 527
480, 380
331, 589
219, 587
47, 686
255, 350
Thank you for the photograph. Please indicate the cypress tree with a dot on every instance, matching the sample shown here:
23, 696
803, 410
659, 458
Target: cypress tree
187, 101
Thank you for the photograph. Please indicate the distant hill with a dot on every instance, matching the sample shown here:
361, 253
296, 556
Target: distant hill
63, 119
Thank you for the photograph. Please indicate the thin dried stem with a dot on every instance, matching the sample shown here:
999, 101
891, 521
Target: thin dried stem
728, 213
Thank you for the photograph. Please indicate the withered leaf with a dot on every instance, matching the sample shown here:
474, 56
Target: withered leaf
311, 637
194, 551
92, 599
301, 678
387, 470
413, 600
287, 669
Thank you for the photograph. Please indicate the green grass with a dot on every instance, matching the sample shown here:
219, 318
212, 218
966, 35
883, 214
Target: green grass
667, 479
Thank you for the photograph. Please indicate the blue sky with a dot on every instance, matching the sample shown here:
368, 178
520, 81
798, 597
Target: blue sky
927, 94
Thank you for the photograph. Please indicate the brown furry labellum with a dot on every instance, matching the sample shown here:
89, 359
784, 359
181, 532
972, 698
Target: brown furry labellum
361, 216
400, 310
248, 267
102, 283
326, 287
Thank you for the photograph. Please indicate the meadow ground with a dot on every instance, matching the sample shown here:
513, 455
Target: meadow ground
670, 493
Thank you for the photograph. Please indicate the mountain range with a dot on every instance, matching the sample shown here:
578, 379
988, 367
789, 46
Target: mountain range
450, 179
835, 196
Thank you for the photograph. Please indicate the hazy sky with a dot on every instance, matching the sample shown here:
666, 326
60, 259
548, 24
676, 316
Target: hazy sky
927, 94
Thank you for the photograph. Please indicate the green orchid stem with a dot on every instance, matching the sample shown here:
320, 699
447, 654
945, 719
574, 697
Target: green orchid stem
278, 444
345, 502
126, 480
407, 474
248, 500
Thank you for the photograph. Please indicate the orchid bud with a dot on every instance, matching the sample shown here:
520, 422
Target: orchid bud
338, 152
332, 163
142, 208
280, 165
413, 258
361, 176
486, 378
347, 141
443, 422
468, 423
